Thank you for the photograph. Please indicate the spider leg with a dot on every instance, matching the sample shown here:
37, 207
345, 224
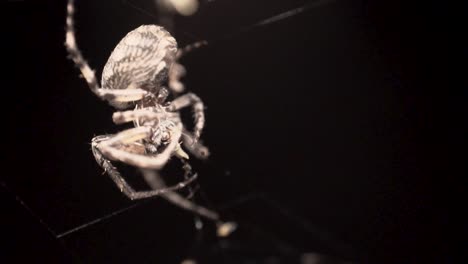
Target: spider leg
112, 150
156, 182
177, 70
134, 115
120, 97
122, 183
140, 114
117, 98
190, 99
74, 51
183, 51
195, 147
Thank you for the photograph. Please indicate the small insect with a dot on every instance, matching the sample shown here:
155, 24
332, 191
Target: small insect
139, 75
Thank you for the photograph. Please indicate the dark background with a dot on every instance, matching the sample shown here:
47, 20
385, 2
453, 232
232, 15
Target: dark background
333, 130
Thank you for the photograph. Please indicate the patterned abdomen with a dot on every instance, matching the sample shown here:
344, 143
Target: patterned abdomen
141, 59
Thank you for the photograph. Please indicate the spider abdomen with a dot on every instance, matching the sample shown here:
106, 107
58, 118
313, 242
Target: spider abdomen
140, 60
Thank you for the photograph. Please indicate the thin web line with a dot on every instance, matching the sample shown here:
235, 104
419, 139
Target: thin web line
28, 209
277, 18
38, 218
98, 220
261, 23
292, 12
143, 11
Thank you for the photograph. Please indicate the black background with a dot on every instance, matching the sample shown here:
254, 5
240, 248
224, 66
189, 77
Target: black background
348, 114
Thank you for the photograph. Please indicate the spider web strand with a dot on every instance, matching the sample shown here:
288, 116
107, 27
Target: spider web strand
100, 219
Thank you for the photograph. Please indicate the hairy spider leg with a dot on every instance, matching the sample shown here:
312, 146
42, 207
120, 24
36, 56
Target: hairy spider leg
199, 150
156, 182
183, 51
177, 70
146, 113
110, 147
112, 95
191, 99
121, 183
195, 147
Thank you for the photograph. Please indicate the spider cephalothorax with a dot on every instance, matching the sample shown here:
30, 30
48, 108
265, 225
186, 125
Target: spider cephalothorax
138, 77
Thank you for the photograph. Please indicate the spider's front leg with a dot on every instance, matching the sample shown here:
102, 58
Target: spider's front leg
116, 97
137, 149
136, 116
112, 147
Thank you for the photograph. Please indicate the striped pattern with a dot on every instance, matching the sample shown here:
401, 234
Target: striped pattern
141, 59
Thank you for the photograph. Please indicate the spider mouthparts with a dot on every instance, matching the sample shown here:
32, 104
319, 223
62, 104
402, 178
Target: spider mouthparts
179, 152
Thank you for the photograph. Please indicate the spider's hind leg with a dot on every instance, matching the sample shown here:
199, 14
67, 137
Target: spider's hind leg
154, 180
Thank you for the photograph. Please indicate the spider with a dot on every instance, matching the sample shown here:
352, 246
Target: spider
140, 73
